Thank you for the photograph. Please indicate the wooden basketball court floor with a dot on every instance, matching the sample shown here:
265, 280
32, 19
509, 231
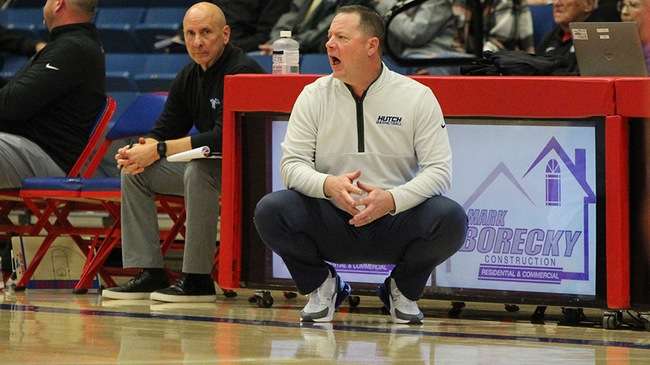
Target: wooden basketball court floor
57, 327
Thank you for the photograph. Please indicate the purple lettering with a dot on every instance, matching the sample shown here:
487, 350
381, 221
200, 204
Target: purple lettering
571, 239
486, 240
503, 241
551, 244
517, 241
470, 240
483, 217
492, 217
534, 242
501, 218
473, 216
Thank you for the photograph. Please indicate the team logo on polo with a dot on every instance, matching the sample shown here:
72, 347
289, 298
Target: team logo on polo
389, 120
215, 102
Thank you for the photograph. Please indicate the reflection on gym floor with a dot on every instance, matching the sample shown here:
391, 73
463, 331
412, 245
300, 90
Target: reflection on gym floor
56, 327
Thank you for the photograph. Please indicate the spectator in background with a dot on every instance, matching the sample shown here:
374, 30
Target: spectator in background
11, 42
251, 21
308, 21
559, 42
425, 31
639, 11
49, 108
605, 11
507, 24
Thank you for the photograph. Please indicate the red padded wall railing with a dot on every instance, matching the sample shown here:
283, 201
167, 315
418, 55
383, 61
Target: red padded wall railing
526, 97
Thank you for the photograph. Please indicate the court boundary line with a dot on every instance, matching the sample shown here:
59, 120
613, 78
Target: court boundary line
322, 326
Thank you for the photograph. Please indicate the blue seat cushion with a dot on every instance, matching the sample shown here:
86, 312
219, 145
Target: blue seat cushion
101, 184
52, 183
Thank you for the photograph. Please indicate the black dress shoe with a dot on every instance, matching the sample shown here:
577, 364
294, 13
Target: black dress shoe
191, 288
140, 287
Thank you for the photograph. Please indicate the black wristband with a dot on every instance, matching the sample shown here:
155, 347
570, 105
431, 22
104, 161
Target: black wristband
161, 147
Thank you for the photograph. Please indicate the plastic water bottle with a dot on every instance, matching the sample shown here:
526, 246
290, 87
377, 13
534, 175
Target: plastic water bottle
286, 54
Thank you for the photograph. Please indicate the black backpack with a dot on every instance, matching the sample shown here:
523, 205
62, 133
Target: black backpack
515, 63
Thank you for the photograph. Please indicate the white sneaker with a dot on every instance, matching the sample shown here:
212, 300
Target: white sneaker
402, 309
324, 300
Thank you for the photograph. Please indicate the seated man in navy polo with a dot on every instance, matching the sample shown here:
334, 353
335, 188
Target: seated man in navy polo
195, 100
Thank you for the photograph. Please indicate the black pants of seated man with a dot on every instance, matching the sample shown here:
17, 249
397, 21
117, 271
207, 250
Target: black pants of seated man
306, 232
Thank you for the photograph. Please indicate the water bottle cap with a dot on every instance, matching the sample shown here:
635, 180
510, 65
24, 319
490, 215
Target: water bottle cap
285, 34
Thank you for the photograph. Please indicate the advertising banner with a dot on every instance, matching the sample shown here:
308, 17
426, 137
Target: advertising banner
529, 191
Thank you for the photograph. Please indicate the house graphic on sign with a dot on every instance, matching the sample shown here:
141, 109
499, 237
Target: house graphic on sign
563, 180
554, 168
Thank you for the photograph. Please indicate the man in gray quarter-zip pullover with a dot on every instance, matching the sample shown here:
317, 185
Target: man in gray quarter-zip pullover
366, 159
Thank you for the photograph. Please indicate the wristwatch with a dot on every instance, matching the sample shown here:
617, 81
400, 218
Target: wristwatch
161, 147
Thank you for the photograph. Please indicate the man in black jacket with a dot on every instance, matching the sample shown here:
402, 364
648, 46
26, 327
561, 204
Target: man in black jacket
49, 108
195, 99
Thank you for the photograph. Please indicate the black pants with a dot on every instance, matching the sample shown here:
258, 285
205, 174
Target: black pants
5, 255
305, 232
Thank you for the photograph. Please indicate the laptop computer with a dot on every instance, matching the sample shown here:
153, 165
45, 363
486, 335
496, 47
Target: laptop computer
608, 49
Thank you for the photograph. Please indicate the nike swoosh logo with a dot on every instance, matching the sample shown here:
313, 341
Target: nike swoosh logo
51, 67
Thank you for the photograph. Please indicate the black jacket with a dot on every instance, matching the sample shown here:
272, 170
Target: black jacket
196, 99
553, 45
55, 99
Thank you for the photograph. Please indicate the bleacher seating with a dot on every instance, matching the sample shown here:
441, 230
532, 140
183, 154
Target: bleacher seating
159, 71
12, 64
116, 28
159, 23
315, 64
26, 21
542, 21
121, 69
125, 3
27, 3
